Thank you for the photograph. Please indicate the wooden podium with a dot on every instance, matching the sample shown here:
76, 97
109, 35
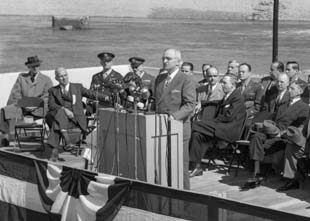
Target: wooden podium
136, 146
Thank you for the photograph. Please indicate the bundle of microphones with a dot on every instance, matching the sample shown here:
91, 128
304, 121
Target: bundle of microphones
129, 93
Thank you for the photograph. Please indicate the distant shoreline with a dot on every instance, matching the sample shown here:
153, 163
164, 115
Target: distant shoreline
179, 17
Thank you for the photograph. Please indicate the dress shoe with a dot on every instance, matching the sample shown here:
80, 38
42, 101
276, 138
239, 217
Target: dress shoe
196, 172
54, 155
66, 137
292, 184
252, 183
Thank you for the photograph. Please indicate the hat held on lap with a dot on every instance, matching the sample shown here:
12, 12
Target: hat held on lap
33, 61
295, 136
270, 128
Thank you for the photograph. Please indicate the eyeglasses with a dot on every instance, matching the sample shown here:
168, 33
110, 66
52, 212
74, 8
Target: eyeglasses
167, 58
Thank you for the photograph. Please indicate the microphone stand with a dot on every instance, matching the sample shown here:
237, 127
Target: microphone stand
169, 180
135, 138
117, 109
96, 121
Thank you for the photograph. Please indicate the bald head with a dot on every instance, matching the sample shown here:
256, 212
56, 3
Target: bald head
283, 82
61, 75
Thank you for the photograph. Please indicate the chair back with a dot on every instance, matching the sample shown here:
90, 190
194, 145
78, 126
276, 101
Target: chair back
30, 102
244, 132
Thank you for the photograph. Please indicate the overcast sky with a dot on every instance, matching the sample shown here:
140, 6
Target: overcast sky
139, 8
136, 8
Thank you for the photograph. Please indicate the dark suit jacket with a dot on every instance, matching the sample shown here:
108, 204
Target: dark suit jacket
306, 133
228, 120
253, 94
278, 108
178, 99
209, 101
55, 101
295, 115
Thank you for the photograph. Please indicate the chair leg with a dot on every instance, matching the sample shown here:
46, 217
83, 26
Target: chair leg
232, 160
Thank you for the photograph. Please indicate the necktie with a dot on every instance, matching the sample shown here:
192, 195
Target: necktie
32, 78
167, 81
209, 92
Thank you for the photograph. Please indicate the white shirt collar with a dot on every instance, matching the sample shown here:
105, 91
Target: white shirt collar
107, 72
295, 100
66, 88
173, 73
281, 94
227, 95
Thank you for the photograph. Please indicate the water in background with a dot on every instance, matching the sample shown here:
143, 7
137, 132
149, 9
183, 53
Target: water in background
200, 41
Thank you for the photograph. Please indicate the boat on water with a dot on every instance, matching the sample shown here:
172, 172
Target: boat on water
70, 23
32, 188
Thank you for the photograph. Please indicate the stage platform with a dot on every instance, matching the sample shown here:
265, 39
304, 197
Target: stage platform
215, 182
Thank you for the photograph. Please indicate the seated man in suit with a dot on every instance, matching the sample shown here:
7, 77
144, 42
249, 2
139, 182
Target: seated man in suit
226, 124
210, 96
293, 71
30, 84
294, 150
204, 69
66, 109
277, 102
269, 82
263, 143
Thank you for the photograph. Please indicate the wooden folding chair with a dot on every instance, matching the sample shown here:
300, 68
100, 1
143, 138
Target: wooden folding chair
30, 131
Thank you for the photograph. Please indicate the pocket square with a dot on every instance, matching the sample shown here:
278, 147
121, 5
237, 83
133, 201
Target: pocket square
175, 91
227, 105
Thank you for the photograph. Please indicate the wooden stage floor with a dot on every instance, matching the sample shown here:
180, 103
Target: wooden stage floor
216, 182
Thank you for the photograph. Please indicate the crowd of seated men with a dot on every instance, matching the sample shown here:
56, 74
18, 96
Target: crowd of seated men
274, 110
277, 117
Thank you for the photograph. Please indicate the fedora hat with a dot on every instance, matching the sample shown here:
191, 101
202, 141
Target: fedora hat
270, 128
295, 136
33, 61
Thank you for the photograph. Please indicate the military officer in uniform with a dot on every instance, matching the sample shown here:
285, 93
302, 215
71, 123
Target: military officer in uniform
138, 75
252, 92
138, 84
105, 82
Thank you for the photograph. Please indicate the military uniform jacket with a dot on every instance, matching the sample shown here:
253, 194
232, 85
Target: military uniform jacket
105, 86
147, 80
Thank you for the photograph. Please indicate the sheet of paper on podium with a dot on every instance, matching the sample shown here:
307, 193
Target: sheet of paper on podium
146, 157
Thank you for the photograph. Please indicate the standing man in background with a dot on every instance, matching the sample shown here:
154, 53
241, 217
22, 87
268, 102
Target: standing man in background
175, 95
104, 81
187, 68
233, 69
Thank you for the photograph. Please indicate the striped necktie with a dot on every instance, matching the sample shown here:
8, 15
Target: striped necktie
168, 80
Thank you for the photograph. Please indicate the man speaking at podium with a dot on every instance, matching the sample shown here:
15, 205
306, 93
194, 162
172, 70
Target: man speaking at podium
175, 95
